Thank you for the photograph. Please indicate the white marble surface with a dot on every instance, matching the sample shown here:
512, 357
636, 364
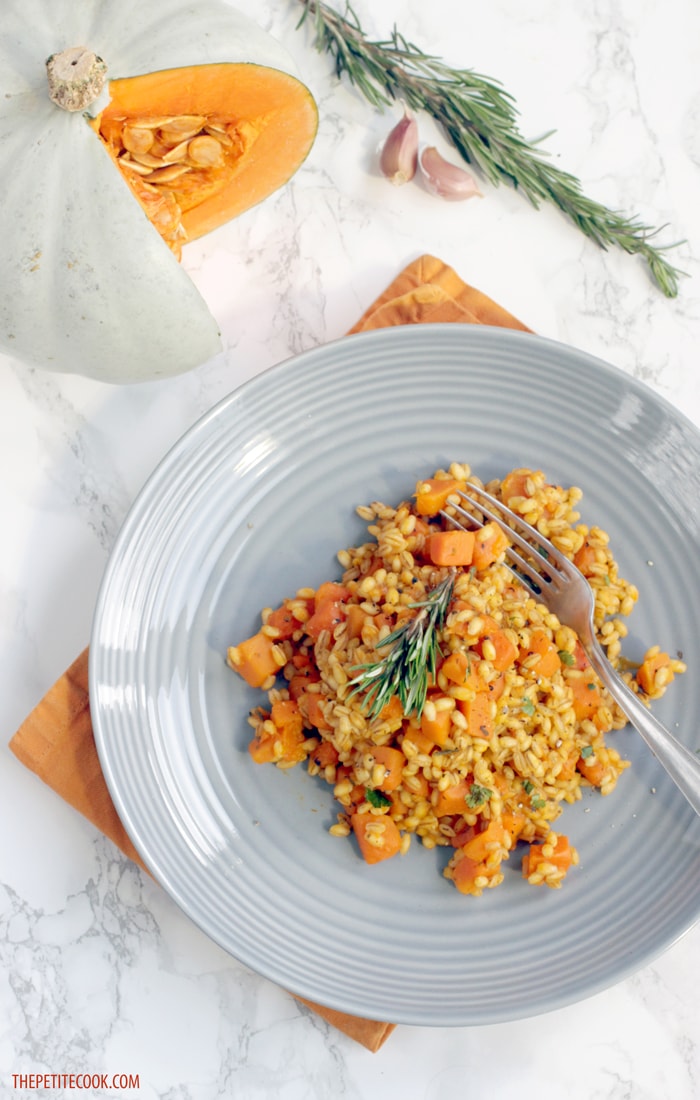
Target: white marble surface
99, 971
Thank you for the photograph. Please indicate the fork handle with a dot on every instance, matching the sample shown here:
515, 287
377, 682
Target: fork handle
682, 765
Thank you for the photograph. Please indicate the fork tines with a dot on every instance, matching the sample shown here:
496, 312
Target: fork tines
538, 555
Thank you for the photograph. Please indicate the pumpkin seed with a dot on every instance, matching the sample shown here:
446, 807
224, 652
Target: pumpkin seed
154, 123
168, 173
160, 148
183, 124
178, 152
205, 152
220, 135
172, 137
148, 160
134, 166
137, 139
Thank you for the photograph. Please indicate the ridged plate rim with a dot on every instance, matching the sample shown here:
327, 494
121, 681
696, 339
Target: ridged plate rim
256, 496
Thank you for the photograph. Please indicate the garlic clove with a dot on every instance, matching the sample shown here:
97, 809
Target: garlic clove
449, 181
398, 159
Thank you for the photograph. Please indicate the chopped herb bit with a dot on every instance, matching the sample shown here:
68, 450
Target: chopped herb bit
606, 580
528, 706
377, 798
536, 800
587, 751
591, 687
567, 658
478, 796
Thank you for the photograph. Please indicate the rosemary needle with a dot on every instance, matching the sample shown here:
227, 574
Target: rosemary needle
481, 120
410, 664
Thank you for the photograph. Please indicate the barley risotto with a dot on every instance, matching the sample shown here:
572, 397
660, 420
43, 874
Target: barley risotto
436, 695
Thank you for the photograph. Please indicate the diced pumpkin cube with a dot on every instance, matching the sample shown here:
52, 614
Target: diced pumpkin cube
451, 548
300, 681
356, 619
496, 646
432, 493
486, 842
559, 855
586, 695
310, 703
435, 722
456, 666
542, 647
283, 621
324, 755
515, 484
254, 659
287, 719
489, 546
585, 558
391, 762
453, 800
262, 748
591, 769
422, 740
378, 836
327, 615
477, 712
647, 673
471, 876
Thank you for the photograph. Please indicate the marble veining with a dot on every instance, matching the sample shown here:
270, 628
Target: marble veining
100, 972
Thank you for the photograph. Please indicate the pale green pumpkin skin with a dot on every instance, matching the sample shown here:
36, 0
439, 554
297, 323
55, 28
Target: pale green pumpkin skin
87, 285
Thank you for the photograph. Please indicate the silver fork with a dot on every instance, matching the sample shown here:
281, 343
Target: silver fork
565, 591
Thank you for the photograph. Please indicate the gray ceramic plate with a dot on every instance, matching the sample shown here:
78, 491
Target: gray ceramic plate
252, 504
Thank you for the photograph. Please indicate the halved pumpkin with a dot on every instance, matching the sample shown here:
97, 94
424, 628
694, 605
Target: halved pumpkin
201, 118
215, 138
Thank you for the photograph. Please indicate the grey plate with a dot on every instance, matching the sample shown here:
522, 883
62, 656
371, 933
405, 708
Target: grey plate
253, 503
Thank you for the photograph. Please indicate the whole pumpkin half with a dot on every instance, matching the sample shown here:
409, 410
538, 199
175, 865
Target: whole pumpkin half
127, 129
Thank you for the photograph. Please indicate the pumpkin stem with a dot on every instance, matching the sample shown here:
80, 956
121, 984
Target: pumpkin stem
76, 77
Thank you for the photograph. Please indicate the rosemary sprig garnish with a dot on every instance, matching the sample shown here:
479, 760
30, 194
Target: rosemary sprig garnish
481, 120
410, 663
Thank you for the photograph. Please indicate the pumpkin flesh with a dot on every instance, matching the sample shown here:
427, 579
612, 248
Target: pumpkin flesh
200, 145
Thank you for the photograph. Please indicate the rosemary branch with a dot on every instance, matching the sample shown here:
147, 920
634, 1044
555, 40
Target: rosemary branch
481, 120
410, 663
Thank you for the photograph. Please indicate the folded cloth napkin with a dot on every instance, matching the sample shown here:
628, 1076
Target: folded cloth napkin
56, 740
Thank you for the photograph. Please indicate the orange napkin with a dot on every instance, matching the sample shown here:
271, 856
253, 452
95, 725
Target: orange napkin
56, 740
430, 291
